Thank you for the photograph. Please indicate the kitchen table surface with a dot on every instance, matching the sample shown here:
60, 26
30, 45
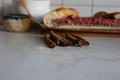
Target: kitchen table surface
26, 57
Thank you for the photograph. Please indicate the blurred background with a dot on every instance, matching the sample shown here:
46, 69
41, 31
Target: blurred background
85, 7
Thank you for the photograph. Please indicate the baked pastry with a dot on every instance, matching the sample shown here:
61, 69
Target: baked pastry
68, 19
59, 13
114, 15
101, 14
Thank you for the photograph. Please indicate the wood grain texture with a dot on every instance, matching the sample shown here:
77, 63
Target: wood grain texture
92, 34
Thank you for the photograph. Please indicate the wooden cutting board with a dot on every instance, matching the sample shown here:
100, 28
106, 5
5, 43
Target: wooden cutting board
87, 34
35, 29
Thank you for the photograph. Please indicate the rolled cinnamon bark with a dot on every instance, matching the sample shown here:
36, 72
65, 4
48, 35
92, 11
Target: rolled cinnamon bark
60, 40
70, 37
63, 42
68, 42
54, 37
54, 40
84, 42
64, 39
49, 42
74, 40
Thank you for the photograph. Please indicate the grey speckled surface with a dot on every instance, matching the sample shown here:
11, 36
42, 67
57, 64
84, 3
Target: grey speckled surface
26, 57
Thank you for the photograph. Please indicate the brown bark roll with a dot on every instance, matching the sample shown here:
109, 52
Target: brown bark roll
74, 40
49, 42
54, 37
70, 37
60, 40
68, 42
63, 42
54, 40
84, 42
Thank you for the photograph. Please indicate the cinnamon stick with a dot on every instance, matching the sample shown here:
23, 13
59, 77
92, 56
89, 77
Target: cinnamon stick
68, 42
70, 37
54, 40
59, 39
54, 37
85, 42
74, 40
49, 42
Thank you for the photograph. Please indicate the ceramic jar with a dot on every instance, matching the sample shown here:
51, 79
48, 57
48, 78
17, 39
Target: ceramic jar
16, 22
37, 8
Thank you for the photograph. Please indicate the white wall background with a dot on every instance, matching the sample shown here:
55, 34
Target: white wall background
85, 7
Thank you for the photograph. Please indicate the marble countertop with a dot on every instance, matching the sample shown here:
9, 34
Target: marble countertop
26, 57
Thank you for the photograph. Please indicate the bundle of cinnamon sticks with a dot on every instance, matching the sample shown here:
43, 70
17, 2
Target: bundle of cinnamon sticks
66, 39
